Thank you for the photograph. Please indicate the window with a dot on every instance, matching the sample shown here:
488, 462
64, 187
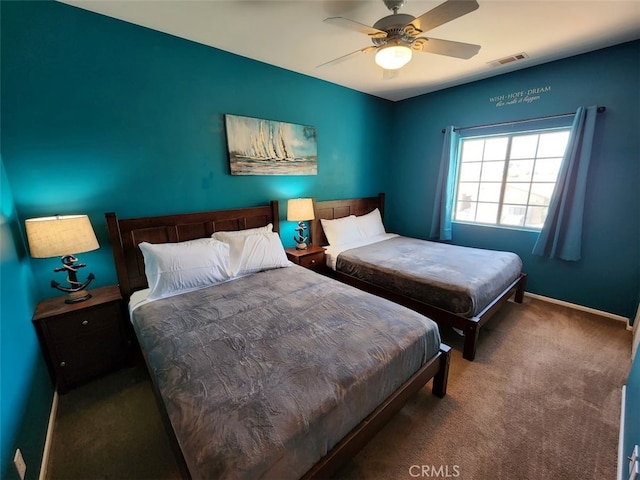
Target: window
509, 179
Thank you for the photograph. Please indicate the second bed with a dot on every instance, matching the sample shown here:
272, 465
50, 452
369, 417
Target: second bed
461, 287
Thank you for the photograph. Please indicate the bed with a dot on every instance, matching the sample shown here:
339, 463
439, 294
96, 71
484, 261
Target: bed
460, 287
274, 373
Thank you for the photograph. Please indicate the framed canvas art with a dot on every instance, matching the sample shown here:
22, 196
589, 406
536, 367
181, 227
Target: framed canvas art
267, 147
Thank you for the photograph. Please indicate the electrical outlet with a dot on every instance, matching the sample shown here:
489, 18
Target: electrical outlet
21, 467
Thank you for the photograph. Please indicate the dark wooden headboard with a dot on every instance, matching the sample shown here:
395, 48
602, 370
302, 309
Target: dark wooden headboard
332, 209
126, 234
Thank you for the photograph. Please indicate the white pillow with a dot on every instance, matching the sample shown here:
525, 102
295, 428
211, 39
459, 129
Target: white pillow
173, 268
341, 230
255, 253
371, 224
223, 236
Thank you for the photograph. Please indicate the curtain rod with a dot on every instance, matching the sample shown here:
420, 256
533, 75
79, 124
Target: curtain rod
515, 122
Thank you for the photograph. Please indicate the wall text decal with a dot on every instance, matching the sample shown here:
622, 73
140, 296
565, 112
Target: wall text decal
522, 96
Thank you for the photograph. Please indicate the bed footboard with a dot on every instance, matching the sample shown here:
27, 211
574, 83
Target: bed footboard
441, 378
436, 368
519, 298
469, 326
472, 328
471, 335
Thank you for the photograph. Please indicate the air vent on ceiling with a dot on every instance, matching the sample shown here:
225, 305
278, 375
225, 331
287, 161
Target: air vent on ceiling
511, 58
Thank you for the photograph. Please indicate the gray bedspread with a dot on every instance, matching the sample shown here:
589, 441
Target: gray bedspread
263, 375
461, 280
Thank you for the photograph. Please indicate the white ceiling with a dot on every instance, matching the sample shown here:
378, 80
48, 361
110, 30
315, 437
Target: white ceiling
291, 34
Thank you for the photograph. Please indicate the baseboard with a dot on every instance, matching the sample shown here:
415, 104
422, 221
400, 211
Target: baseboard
582, 308
49, 437
621, 458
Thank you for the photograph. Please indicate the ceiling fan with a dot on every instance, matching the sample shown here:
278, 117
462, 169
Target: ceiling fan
396, 36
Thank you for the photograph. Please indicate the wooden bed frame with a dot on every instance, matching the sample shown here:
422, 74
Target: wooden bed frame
333, 209
126, 234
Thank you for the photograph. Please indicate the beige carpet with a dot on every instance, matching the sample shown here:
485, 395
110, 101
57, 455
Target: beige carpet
541, 401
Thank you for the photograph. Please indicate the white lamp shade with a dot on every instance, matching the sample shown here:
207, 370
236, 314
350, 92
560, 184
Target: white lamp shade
300, 209
392, 57
60, 235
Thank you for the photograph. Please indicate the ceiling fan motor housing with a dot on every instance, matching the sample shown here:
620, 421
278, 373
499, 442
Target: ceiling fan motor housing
394, 25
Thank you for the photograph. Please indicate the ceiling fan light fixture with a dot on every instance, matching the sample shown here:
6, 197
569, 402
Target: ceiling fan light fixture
394, 56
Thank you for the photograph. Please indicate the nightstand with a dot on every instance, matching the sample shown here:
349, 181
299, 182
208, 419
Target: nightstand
311, 258
82, 340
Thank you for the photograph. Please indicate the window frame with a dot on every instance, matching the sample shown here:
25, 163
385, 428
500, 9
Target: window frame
510, 134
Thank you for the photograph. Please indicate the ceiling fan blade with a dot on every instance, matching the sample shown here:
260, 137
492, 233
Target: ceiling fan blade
358, 27
446, 47
449, 10
347, 56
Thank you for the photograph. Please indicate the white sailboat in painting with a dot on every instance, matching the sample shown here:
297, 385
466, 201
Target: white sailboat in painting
271, 148
263, 147
281, 147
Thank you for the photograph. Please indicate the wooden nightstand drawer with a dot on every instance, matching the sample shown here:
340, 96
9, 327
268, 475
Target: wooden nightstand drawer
66, 330
312, 258
82, 340
313, 261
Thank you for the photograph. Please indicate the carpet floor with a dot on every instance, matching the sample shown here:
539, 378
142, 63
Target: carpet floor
540, 401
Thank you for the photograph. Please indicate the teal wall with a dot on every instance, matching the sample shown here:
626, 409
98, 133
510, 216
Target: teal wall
24, 382
99, 115
607, 277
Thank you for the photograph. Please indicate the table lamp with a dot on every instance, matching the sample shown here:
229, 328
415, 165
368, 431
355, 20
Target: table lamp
64, 236
300, 210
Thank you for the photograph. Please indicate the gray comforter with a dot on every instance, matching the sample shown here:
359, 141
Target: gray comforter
261, 376
461, 280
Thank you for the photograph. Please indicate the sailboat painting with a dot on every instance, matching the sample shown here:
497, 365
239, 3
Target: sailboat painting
267, 147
